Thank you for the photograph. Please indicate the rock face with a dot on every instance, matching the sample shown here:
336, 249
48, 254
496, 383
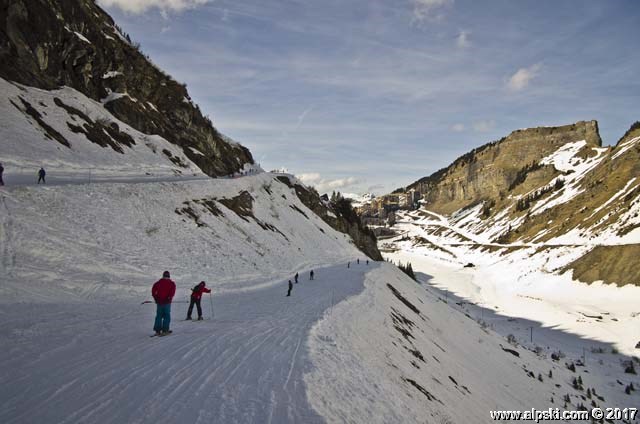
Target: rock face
555, 191
343, 218
53, 43
491, 171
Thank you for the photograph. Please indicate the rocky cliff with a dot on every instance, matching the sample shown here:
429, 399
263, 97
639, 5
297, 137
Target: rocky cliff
555, 192
341, 217
53, 43
493, 171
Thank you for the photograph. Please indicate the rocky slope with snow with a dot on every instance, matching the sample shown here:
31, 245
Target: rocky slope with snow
357, 344
546, 189
74, 44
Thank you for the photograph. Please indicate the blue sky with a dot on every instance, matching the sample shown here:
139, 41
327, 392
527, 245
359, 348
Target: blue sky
370, 95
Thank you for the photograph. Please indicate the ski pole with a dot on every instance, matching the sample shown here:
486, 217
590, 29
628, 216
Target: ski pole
176, 301
211, 301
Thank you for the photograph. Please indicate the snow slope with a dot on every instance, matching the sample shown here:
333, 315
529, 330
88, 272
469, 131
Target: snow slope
94, 363
521, 280
408, 355
91, 241
25, 146
78, 260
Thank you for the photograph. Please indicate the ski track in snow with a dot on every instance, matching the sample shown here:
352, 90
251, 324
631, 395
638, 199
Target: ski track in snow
95, 363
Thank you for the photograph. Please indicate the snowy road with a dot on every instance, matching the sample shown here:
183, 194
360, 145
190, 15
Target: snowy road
57, 179
94, 363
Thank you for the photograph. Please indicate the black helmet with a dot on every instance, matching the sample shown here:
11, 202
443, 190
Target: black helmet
166, 274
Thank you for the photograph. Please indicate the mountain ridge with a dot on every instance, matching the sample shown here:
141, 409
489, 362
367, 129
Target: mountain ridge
548, 188
49, 44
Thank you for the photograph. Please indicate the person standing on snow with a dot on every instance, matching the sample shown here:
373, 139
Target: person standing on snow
296, 277
290, 288
163, 291
1, 171
311, 275
358, 261
41, 175
196, 296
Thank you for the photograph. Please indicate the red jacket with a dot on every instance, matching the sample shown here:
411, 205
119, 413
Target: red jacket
198, 290
163, 291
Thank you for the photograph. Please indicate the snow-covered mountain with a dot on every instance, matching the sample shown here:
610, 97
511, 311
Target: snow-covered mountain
74, 51
361, 342
547, 223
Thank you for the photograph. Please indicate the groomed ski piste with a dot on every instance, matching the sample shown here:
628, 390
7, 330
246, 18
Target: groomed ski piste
358, 344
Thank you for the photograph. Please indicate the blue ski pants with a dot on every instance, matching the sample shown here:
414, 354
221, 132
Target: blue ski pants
163, 317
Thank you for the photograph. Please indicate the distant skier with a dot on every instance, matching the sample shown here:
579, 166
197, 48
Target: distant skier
196, 297
358, 261
290, 288
311, 275
41, 175
296, 277
1, 171
367, 261
348, 264
163, 291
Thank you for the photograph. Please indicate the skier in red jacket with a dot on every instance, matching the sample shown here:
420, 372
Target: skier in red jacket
163, 291
196, 296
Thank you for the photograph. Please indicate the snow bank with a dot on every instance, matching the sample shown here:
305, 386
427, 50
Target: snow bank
113, 240
25, 145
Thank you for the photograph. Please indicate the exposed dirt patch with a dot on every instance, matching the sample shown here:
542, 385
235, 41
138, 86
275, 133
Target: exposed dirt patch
297, 209
611, 264
49, 132
174, 159
402, 299
422, 390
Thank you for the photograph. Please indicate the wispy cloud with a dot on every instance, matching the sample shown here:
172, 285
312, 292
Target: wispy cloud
392, 102
164, 6
429, 9
523, 77
484, 126
462, 41
302, 116
323, 185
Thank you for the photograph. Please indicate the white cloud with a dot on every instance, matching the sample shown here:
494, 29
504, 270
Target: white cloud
324, 185
457, 127
484, 126
310, 178
429, 9
462, 41
165, 6
522, 77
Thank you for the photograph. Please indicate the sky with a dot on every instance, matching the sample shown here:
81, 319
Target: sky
370, 95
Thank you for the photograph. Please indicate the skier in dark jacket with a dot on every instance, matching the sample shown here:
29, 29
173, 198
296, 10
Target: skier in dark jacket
296, 277
311, 275
196, 297
1, 171
290, 288
41, 175
163, 291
